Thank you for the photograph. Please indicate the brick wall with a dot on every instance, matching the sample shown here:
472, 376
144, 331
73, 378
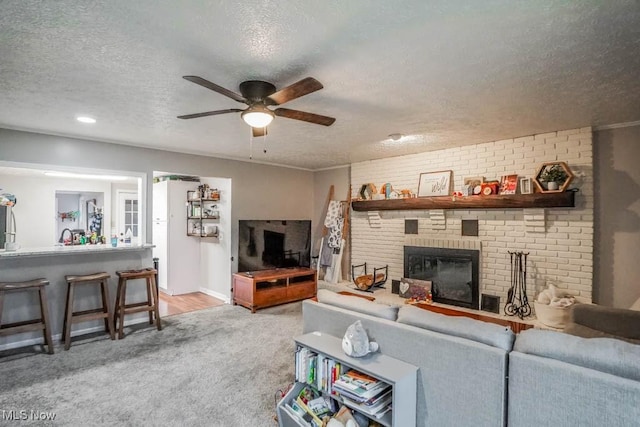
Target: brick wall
559, 241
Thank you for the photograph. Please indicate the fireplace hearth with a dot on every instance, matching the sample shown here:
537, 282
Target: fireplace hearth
454, 273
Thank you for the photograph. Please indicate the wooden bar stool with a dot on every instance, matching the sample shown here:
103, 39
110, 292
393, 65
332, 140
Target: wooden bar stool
29, 325
103, 312
150, 305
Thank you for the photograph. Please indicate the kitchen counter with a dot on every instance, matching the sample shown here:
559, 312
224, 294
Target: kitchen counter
54, 263
69, 250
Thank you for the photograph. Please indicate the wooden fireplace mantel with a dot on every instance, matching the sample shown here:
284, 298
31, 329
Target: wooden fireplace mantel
565, 199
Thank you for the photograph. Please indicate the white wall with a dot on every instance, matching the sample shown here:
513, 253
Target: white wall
562, 253
259, 191
35, 210
617, 216
215, 253
66, 203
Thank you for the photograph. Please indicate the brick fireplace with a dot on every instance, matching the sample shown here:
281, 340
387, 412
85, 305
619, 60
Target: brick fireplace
559, 240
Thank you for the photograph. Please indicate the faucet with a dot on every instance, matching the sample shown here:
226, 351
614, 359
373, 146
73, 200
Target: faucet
62, 236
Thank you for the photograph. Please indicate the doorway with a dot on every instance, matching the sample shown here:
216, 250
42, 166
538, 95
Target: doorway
128, 213
193, 267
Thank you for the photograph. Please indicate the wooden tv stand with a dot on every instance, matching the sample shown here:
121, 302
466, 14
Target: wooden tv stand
266, 288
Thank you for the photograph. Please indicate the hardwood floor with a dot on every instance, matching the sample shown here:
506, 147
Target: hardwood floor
177, 304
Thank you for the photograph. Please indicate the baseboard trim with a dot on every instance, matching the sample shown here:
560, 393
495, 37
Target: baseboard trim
215, 294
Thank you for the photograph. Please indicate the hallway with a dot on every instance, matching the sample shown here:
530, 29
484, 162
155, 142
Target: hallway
177, 304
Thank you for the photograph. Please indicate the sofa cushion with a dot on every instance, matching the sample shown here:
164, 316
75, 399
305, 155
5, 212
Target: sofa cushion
463, 327
608, 355
358, 304
587, 332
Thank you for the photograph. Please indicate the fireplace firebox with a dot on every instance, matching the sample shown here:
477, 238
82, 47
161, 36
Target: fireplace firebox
454, 273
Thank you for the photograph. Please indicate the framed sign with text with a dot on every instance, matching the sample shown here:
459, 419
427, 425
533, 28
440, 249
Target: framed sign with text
435, 184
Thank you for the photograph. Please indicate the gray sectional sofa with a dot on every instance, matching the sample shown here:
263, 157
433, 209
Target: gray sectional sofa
473, 373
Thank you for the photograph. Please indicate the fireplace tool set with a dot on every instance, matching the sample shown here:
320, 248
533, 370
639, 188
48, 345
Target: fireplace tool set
517, 301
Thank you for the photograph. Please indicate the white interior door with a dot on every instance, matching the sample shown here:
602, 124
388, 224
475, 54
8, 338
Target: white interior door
128, 214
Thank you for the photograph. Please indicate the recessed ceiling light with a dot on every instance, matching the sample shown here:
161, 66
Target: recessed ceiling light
397, 139
85, 119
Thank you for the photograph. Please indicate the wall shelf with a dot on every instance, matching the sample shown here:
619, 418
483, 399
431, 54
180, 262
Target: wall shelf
200, 213
513, 201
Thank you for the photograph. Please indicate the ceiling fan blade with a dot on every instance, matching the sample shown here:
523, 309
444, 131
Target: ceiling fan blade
259, 132
210, 113
304, 116
296, 90
214, 87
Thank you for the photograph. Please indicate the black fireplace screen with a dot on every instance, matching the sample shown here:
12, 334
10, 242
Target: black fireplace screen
453, 273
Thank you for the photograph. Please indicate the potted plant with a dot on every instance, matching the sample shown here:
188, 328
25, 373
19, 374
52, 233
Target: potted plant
554, 176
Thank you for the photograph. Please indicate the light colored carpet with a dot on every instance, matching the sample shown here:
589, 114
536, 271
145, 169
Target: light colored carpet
215, 367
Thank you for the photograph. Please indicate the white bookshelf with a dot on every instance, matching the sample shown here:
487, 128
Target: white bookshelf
400, 375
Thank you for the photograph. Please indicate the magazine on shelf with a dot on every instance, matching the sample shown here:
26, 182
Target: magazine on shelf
304, 417
320, 406
376, 410
304, 406
374, 401
357, 380
360, 395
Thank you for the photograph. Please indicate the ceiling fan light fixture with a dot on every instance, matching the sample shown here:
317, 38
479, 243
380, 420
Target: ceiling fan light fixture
257, 116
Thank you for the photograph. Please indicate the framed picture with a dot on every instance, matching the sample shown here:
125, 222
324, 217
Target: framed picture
474, 183
525, 186
508, 184
435, 184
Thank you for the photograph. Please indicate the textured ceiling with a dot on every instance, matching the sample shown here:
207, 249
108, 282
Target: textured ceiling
446, 72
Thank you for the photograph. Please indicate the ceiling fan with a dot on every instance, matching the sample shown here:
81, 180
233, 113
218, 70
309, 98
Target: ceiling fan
259, 95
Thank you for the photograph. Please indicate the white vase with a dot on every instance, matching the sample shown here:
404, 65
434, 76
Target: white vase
552, 185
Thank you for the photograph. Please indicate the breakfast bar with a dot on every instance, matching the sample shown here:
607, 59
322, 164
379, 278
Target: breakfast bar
53, 264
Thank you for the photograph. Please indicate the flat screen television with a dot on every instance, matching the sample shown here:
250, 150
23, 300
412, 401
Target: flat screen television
266, 244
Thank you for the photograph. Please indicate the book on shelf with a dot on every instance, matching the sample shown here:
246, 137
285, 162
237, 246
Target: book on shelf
320, 406
304, 406
376, 409
306, 366
300, 415
317, 370
358, 380
358, 394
